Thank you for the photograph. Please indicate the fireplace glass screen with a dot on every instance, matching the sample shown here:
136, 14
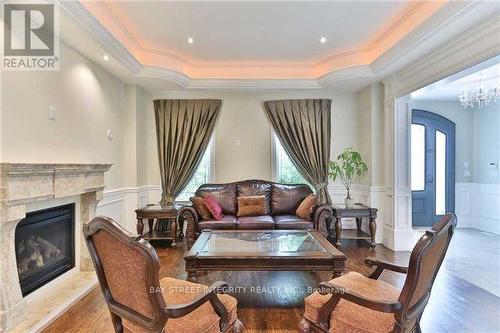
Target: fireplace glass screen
45, 246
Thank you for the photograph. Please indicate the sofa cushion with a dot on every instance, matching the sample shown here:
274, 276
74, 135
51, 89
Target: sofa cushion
285, 199
262, 222
306, 207
228, 222
252, 206
204, 319
213, 207
251, 188
201, 209
284, 222
225, 194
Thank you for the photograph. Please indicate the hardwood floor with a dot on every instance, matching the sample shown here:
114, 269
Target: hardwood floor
272, 301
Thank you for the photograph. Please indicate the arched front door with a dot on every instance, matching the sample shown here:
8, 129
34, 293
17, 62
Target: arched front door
432, 167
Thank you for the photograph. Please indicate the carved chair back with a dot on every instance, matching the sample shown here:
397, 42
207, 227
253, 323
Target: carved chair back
425, 261
127, 269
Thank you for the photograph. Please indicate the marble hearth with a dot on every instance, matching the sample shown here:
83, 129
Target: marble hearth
25, 184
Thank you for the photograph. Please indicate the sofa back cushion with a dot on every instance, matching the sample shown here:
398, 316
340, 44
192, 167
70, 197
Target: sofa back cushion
285, 199
251, 188
213, 207
252, 206
201, 209
225, 194
306, 207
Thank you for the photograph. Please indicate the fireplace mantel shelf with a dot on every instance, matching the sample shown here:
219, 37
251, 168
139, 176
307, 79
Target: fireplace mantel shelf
22, 183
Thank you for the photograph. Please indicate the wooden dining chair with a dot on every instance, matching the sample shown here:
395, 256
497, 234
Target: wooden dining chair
354, 303
128, 267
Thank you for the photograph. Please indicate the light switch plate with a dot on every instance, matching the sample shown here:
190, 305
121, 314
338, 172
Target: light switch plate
52, 113
237, 142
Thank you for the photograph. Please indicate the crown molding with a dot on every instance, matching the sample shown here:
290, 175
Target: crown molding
441, 26
355, 72
87, 22
478, 44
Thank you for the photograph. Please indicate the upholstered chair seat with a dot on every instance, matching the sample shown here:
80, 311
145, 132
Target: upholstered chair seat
351, 317
202, 320
353, 303
139, 302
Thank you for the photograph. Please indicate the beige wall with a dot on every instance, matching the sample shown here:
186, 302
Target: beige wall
486, 144
371, 133
242, 118
88, 101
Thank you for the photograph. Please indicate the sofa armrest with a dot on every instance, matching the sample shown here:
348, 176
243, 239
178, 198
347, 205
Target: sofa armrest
321, 216
190, 215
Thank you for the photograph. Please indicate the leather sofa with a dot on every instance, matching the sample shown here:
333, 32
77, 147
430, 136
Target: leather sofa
282, 201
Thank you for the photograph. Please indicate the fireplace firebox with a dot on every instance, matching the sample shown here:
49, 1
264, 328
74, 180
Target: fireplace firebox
45, 246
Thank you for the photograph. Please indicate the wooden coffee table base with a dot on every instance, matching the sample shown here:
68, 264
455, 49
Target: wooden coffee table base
331, 260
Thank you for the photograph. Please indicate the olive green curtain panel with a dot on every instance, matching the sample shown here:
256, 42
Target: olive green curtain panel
303, 127
183, 131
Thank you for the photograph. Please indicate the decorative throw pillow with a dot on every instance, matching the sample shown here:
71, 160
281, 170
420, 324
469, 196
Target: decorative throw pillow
306, 207
252, 205
199, 206
213, 207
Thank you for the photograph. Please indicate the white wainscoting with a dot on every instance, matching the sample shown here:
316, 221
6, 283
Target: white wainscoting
120, 204
477, 205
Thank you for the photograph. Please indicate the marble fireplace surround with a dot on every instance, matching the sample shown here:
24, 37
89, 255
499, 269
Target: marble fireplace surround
22, 184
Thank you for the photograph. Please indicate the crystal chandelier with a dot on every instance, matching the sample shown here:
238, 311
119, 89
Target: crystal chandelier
479, 98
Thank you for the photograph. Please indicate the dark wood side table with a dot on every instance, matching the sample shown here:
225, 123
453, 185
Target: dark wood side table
358, 211
156, 212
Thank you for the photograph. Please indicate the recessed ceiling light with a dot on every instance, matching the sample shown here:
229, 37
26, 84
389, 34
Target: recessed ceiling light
190, 40
105, 57
322, 40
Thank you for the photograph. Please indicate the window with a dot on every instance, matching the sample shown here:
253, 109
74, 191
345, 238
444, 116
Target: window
203, 175
284, 171
440, 173
417, 157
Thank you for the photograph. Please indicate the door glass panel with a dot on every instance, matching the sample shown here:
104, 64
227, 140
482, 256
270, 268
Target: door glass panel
417, 157
440, 173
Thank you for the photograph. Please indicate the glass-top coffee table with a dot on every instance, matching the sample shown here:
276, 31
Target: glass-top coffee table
259, 250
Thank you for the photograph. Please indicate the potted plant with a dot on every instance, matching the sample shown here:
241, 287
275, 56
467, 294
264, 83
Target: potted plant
348, 165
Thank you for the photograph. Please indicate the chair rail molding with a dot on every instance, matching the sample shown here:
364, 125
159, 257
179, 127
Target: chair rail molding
465, 50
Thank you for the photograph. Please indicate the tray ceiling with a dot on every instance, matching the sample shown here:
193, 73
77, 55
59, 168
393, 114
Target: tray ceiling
260, 39
262, 45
